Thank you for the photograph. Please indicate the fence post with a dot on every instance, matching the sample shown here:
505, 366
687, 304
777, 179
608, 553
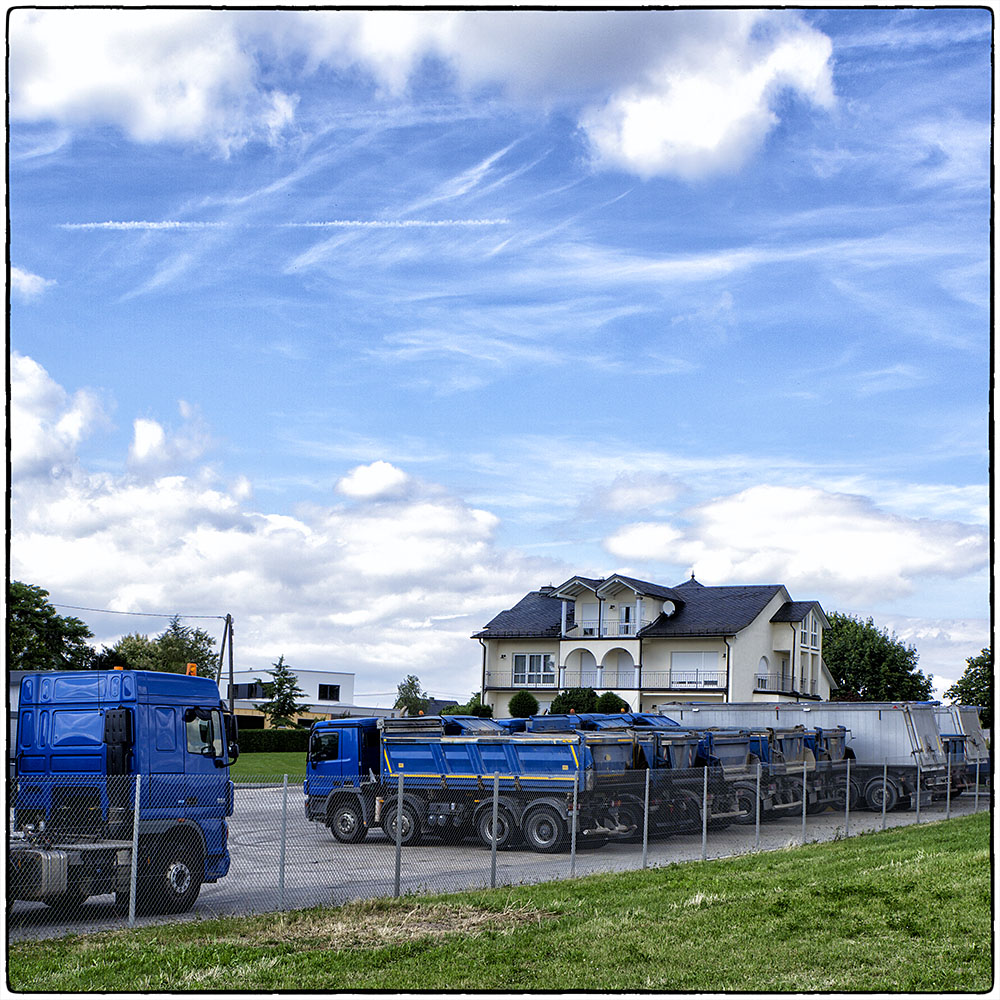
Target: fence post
805, 799
885, 788
847, 801
645, 821
947, 805
572, 826
399, 832
704, 817
496, 814
918, 789
976, 796
756, 836
284, 837
133, 882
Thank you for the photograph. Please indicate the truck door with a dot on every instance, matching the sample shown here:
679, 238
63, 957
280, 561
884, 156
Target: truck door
206, 779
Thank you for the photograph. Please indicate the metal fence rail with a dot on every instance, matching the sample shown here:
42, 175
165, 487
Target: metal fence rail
280, 860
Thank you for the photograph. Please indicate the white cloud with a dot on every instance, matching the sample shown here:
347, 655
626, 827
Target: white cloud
811, 540
26, 285
378, 588
154, 448
379, 479
46, 423
178, 76
667, 92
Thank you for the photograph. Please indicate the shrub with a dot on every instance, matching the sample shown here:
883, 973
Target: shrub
611, 704
522, 705
574, 700
273, 740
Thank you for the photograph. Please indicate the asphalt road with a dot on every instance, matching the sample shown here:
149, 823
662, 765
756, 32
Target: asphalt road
313, 868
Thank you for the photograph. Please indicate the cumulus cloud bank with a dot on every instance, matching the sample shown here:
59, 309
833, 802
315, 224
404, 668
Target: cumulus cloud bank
684, 93
814, 541
390, 584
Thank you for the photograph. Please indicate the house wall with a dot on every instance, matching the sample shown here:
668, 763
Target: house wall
749, 645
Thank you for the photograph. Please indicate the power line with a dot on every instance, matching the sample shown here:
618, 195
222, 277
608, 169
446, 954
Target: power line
137, 614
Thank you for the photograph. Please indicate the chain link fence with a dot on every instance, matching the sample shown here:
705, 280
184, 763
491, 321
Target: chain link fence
82, 857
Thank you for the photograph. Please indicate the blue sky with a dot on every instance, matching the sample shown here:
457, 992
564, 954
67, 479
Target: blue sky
360, 325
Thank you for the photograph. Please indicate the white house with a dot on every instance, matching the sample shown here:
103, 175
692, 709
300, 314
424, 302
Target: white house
650, 644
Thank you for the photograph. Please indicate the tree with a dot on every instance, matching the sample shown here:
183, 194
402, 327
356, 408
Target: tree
281, 690
870, 664
171, 651
179, 645
574, 700
523, 705
40, 639
975, 686
411, 697
609, 703
474, 706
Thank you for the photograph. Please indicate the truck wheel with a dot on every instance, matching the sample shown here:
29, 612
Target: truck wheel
504, 832
544, 830
873, 795
347, 824
746, 802
409, 835
177, 879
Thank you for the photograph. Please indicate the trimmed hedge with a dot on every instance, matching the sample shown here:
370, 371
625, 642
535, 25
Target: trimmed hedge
273, 740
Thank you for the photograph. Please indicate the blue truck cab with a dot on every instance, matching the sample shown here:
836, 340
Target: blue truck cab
85, 739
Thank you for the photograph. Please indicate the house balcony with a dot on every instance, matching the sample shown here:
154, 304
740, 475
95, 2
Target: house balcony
610, 679
783, 684
594, 629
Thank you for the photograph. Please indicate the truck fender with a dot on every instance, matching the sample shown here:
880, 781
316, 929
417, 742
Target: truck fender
364, 802
162, 829
513, 807
557, 802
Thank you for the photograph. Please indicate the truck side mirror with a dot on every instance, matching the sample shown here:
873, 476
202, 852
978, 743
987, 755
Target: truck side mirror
231, 736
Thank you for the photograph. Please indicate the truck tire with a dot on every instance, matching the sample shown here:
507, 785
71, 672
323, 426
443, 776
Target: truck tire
873, 795
177, 875
410, 834
746, 802
544, 830
347, 823
505, 828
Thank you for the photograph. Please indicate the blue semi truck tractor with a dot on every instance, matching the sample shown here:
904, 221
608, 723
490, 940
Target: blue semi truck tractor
85, 740
354, 766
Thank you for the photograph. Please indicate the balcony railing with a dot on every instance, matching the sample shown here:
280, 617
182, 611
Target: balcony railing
611, 679
784, 683
506, 679
595, 629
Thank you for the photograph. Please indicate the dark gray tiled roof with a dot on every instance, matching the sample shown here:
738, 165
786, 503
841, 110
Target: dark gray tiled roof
535, 615
712, 610
650, 589
793, 611
700, 611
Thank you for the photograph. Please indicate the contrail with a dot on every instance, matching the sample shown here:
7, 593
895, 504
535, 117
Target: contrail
331, 224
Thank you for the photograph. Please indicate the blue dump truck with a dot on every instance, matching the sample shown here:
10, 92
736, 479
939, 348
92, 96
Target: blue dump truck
353, 769
85, 739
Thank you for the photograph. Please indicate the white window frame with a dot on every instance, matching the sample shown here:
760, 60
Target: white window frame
533, 670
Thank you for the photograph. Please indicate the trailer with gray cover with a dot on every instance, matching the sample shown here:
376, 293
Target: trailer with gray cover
963, 736
895, 741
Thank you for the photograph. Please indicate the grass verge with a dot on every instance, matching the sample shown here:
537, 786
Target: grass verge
907, 910
269, 767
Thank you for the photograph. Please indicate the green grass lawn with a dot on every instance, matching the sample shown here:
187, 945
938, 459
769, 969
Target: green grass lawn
269, 766
907, 910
